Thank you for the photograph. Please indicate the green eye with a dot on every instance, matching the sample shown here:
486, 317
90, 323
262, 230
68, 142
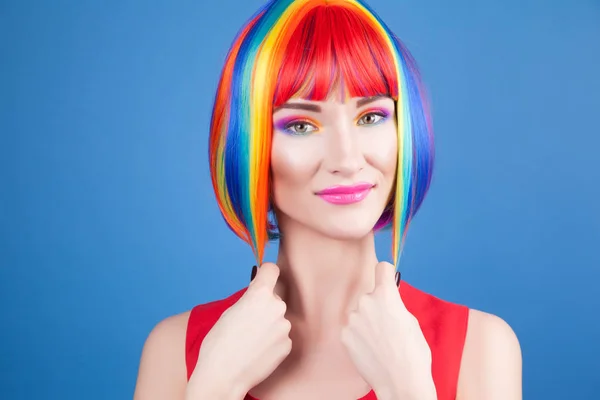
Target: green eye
300, 128
371, 119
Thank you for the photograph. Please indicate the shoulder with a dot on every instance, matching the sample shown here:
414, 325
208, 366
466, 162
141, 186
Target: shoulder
171, 349
168, 333
162, 372
487, 329
491, 364
490, 342
483, 347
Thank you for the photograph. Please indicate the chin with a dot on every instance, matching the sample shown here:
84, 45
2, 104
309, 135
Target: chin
336, 222
345, 235
346, 228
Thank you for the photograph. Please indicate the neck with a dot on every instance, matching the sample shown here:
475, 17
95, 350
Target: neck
321, 278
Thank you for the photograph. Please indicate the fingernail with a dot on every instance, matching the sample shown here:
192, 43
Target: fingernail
253, 274
398, 275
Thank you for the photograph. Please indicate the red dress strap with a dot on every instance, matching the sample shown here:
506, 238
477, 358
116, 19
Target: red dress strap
201, 320
444, 326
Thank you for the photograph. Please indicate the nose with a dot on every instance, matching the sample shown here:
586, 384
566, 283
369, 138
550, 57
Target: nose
344, 155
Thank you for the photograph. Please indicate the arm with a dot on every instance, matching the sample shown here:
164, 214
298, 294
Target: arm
163, 375
162, 372
491, 366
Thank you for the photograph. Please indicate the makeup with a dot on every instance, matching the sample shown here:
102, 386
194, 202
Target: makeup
380, 113
288, 124
342, 195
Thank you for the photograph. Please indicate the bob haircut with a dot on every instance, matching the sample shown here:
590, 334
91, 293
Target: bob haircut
302, 48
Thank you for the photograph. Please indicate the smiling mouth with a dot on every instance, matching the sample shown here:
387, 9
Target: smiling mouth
346, 194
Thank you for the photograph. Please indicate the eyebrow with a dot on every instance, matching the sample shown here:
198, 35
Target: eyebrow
368, 100
316, 108
299, 106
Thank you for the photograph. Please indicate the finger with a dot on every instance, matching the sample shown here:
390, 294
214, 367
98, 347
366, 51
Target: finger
267, 275
384, 274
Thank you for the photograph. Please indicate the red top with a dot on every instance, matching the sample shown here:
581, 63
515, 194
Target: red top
444, 326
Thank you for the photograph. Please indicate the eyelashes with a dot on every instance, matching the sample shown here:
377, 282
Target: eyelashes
301, 126
376, 115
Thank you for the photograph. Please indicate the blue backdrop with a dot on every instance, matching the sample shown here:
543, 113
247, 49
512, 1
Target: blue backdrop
108, 222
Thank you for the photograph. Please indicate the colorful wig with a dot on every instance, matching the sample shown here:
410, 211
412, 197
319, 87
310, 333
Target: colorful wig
302, 48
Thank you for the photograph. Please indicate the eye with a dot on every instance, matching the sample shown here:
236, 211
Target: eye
300, 128
371, 118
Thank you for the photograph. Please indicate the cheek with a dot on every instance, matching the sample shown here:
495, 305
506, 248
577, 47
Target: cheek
294, 160
382, 150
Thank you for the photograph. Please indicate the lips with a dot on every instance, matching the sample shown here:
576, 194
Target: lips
346, 194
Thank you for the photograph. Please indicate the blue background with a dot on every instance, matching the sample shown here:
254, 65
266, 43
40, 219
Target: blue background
108, 222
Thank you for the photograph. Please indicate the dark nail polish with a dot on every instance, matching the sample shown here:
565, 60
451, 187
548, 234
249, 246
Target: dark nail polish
398, 275
253, 274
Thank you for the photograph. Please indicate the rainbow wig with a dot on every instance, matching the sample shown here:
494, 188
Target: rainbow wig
302, 48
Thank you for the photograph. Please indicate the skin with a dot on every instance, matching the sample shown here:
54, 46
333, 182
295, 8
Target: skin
331, 284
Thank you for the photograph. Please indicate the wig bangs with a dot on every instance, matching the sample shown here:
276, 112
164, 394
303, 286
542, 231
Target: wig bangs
333, 47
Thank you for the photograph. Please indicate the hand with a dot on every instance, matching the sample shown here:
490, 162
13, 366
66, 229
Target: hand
386, 343
249, 340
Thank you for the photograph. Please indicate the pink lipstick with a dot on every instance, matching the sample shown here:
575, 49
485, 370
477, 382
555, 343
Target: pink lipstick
346, 194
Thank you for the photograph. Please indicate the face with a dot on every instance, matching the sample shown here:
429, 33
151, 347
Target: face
333, 164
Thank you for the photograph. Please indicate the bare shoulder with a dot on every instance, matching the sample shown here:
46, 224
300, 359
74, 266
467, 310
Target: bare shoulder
162, 370
491, 366
491, 331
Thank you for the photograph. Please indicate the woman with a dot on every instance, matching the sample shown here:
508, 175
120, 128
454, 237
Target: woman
320, 137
